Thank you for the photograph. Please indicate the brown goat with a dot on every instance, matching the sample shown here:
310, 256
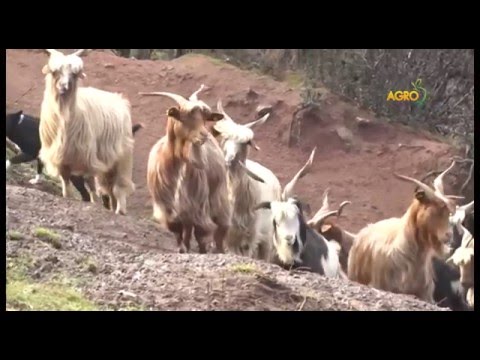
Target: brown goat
396, 254
187, 176
323, 223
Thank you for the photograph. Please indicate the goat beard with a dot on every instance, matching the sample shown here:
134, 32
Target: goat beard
285, 252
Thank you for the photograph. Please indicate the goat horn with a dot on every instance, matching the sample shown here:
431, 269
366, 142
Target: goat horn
455, 197
468, 208
325, 206
220, 108
428, 191
254, 145
258, 122
342, 205
466, 237
438, 182
250, 173
79, 52
303, 171
320, 217
194, 97
52, 51
181, 101
322, 214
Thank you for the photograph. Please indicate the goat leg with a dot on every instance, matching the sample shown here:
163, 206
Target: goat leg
37, 177
67, 188
187, 236
200, 235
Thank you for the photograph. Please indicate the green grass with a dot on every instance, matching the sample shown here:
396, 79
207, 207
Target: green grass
245, 268
15, 235
45, 296
294, 79
49, 236
25, 294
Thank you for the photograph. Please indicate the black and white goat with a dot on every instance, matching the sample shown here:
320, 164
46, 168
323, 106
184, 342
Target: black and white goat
295, 243
23, 131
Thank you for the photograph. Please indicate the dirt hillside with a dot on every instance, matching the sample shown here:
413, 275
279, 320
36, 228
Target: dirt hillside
356, 164
129, 262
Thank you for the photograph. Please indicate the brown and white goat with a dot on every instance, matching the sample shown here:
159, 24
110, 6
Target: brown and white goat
249, 183
187, 176
464, 259
322, 223
85, 131
396, 254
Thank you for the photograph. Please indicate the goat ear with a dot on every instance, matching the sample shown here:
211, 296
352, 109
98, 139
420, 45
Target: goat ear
263, 205
174, 113
82, 75
325, 227
420, 196
214, 132
45, 70
215, 116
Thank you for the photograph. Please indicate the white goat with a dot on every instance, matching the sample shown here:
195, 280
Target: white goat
249, 183
85, 131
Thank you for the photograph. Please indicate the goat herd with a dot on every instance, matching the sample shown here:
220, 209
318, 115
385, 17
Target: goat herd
201, 182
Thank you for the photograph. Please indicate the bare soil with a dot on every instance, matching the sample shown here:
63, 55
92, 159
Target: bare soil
130, 263
133, 254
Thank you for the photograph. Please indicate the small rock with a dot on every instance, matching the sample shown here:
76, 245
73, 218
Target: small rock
127, 294
344, 134
109, 66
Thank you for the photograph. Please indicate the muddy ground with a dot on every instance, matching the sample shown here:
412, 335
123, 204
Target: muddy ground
129, 262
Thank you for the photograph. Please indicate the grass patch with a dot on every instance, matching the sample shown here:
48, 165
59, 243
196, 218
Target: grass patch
294, 79
24, 294
15, 235
49, 236
88, 263
245, 268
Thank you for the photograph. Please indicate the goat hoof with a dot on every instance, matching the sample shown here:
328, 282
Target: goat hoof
182, 250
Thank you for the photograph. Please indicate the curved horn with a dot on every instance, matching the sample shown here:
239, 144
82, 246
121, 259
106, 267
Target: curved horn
254, 145
250, 173
79, 52
468, 208
466, 237
428, 191
194, 96
220, 109
438, 182
303, 171
181, 101
325, 206
455, 197
342, 205
258, 122
320, 217
51, 51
